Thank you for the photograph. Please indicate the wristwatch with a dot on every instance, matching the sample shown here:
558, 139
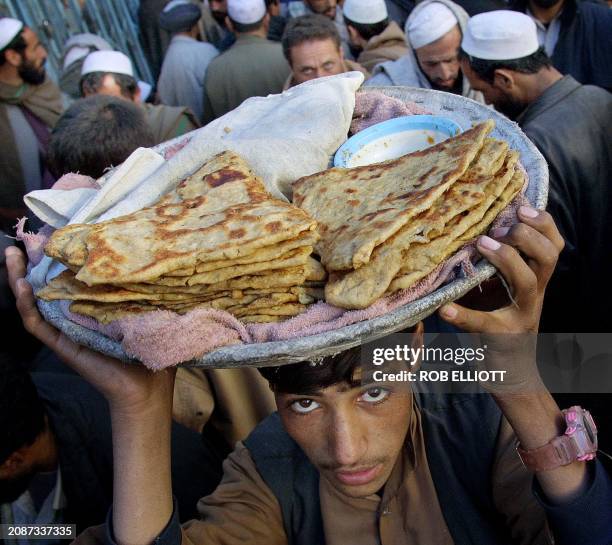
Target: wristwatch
579, 442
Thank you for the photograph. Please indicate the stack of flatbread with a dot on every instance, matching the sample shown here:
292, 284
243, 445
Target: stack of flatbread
386, 226
219, 241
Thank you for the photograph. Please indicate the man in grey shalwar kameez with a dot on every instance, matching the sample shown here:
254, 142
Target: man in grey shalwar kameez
433, 34
181, 81
570, 124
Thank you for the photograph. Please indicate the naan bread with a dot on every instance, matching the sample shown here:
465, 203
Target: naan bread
235, 217
360, 288
307, 238
421, 259
109, 312
293, 258
357, 209
315, 272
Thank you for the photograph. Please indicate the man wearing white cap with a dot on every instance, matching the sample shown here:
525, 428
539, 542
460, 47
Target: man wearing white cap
576, 35
433, 32
253, 66
30, 105
76, 48
181, 80
111, 73
373, 38
570, 124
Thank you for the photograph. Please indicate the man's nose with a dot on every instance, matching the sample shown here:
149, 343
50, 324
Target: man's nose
348, 444
446, 71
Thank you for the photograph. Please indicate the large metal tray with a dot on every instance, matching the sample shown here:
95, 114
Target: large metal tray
465, 112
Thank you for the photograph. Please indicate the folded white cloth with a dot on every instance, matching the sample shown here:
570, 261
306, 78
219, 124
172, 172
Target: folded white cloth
64, 207
57, 206
282, 137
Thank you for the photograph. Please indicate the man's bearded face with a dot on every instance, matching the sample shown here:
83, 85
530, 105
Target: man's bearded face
218, 9
439, 60
323, 7
31, 71
33, 58
503, 102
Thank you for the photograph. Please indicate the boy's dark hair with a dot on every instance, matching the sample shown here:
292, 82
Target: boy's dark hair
308, 28
485, 69
95, 133
22, 413
306, 377
18, 44
92, 82
242, 28
368, 31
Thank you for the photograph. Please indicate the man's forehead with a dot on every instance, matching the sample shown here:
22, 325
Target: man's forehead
308, 50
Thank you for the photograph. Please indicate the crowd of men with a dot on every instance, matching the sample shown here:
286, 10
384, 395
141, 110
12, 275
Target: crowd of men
342, 460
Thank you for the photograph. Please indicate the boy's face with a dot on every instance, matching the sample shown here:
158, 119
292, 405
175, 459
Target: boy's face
353, 435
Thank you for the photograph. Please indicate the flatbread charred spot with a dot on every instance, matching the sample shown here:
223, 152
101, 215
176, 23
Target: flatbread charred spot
223, 176
273, 226
237, 233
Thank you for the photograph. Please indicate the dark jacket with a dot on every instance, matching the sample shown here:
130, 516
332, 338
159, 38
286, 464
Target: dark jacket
570, 124
584, 49
80, 419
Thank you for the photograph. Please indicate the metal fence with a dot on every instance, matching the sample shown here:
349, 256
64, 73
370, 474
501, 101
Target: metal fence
56, 20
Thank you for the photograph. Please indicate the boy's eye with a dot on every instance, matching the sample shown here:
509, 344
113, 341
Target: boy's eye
374, 395
304, 406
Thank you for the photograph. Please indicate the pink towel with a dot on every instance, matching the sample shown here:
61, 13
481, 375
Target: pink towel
171, 151
372, 107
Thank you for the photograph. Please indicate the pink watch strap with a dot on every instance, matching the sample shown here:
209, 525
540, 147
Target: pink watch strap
561, 451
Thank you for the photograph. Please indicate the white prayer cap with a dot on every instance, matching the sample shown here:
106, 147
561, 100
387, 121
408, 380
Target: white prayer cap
9, 28
365, 12
107, 61
246, 12
429, 24
500, 35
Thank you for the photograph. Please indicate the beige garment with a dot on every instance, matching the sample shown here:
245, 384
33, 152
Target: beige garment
349, 66
234, 400
389, 45
243, 509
